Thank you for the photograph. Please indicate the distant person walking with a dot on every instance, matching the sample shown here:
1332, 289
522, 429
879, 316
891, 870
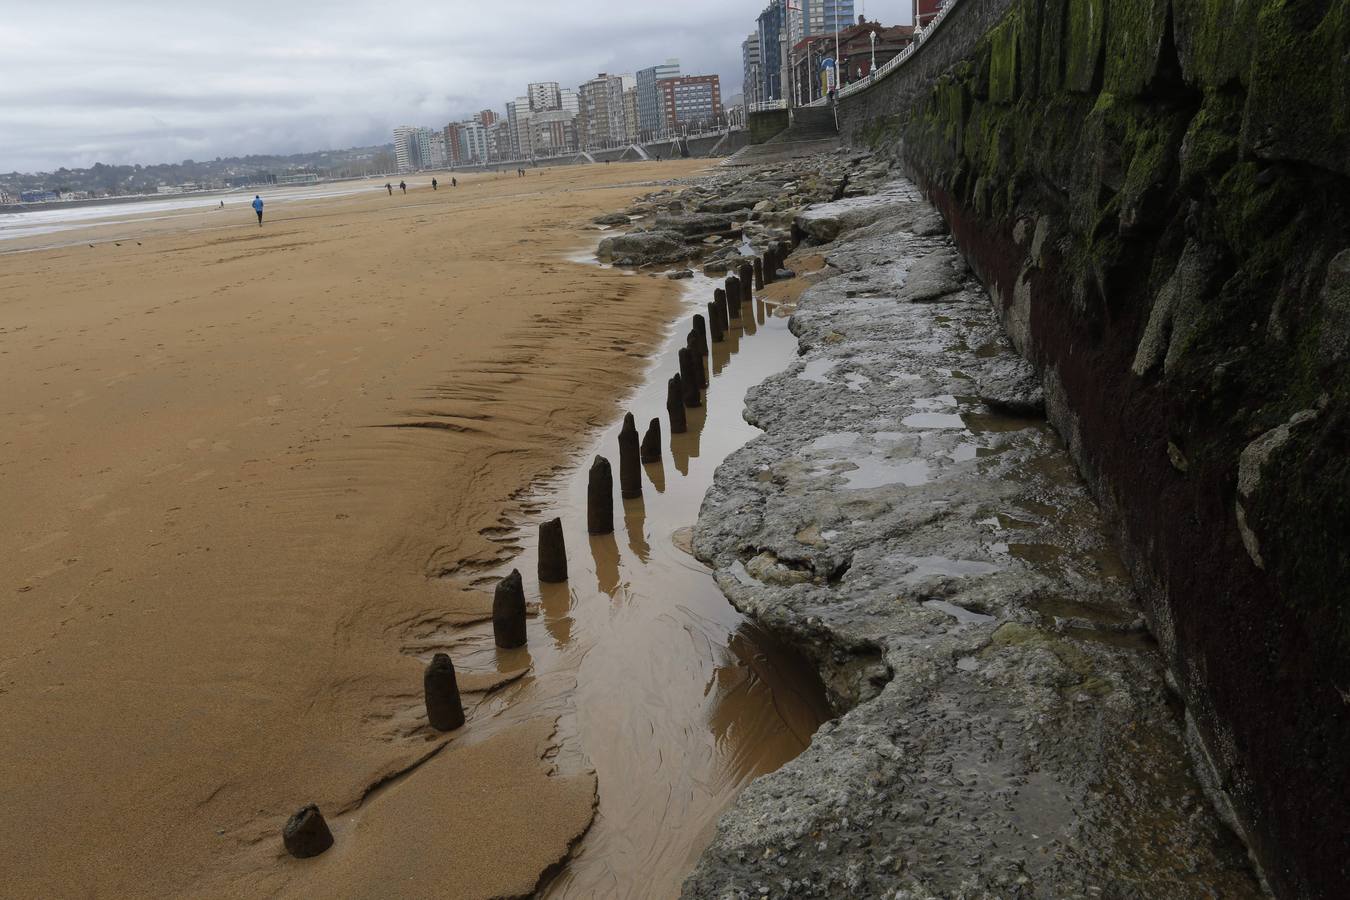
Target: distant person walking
390, 188
257, 208
434, 185
403, 186
454, 182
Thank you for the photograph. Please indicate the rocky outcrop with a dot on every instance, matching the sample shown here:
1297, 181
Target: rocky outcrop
1157, 195
643, 248
1005, 727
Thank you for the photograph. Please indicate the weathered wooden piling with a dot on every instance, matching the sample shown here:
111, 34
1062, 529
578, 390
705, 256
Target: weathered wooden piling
445, 712
715, 321
746, 273
630, 460
689, 379
600, 498
798, 235
651, 443
679, 423
692, 343
720, 301
306, 834
766, 262
552, 552
733, 296
701, 328
508, 612
759, 273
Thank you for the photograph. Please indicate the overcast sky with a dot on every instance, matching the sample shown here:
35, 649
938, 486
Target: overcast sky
127, 81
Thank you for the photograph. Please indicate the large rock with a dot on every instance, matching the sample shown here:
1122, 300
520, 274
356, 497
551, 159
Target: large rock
828, 221
695, 224
1009, 384
643, 248
1004, 727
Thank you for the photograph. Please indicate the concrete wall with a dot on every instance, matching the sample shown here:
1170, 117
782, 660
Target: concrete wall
1157, 193
764, 125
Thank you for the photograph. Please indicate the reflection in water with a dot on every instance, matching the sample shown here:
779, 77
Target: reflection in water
605, 551
634, 520
656, 473
555, 603
675, 700
684, 447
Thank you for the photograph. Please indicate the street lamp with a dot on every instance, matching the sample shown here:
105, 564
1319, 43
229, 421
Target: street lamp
872, 71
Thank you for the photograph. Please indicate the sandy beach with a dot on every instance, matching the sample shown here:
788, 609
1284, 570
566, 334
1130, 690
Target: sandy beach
235, 464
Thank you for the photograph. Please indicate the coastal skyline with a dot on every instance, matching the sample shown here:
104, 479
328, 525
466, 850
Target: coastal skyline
155, 84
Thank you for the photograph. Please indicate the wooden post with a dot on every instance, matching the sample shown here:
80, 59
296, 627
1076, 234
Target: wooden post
600, 498
445, 712
689, 380
630, 462
679, 423
759, 273
733, 296
508, 612
552, 553
651, 443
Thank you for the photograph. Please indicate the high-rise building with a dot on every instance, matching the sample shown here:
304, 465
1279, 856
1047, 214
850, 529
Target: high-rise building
454, 144
518, 114
553, 132
405, 147
473, 143
692, 102
487, 118
440, 155
772, 32
571, 103
649, 96
601, 120
544, 96
826, 16
751, 69
412, 148
631, 132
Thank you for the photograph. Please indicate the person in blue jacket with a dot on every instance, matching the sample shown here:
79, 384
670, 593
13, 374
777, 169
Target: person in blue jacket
257, 208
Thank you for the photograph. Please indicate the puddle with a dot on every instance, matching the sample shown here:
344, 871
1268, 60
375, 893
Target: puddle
675, 699
929, 566
962, 615
817, 369
875, 473
933, 420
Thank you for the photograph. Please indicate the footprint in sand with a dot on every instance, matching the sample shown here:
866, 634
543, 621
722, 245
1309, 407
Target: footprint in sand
221, 447
164, 470
78, 398
196, 443
274, 400
89, 503
46, 541
112, 517
200, 476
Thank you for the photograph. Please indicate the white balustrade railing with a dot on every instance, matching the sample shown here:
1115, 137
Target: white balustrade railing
895, 62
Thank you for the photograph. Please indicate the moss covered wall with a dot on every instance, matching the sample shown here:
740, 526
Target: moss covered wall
1157, 193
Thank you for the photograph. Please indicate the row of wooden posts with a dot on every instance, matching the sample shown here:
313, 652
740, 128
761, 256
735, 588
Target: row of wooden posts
306, 834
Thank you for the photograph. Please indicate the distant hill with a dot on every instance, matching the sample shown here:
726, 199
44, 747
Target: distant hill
102, 180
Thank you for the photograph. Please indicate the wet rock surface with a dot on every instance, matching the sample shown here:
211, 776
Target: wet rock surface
1005, 727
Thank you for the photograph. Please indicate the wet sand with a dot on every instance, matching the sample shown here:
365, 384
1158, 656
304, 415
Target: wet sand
235, 463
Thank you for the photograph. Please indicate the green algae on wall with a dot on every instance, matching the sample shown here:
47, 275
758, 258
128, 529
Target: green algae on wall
1184, 168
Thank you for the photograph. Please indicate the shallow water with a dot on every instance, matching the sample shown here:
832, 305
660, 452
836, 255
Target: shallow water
675, 699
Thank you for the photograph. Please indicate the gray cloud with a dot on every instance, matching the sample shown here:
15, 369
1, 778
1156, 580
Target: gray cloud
84, 81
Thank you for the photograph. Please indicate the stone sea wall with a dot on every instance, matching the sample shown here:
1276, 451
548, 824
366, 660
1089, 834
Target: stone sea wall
1156, 193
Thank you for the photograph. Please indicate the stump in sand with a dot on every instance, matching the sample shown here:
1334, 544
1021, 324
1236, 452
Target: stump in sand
508, 612
306, 834
445, 712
